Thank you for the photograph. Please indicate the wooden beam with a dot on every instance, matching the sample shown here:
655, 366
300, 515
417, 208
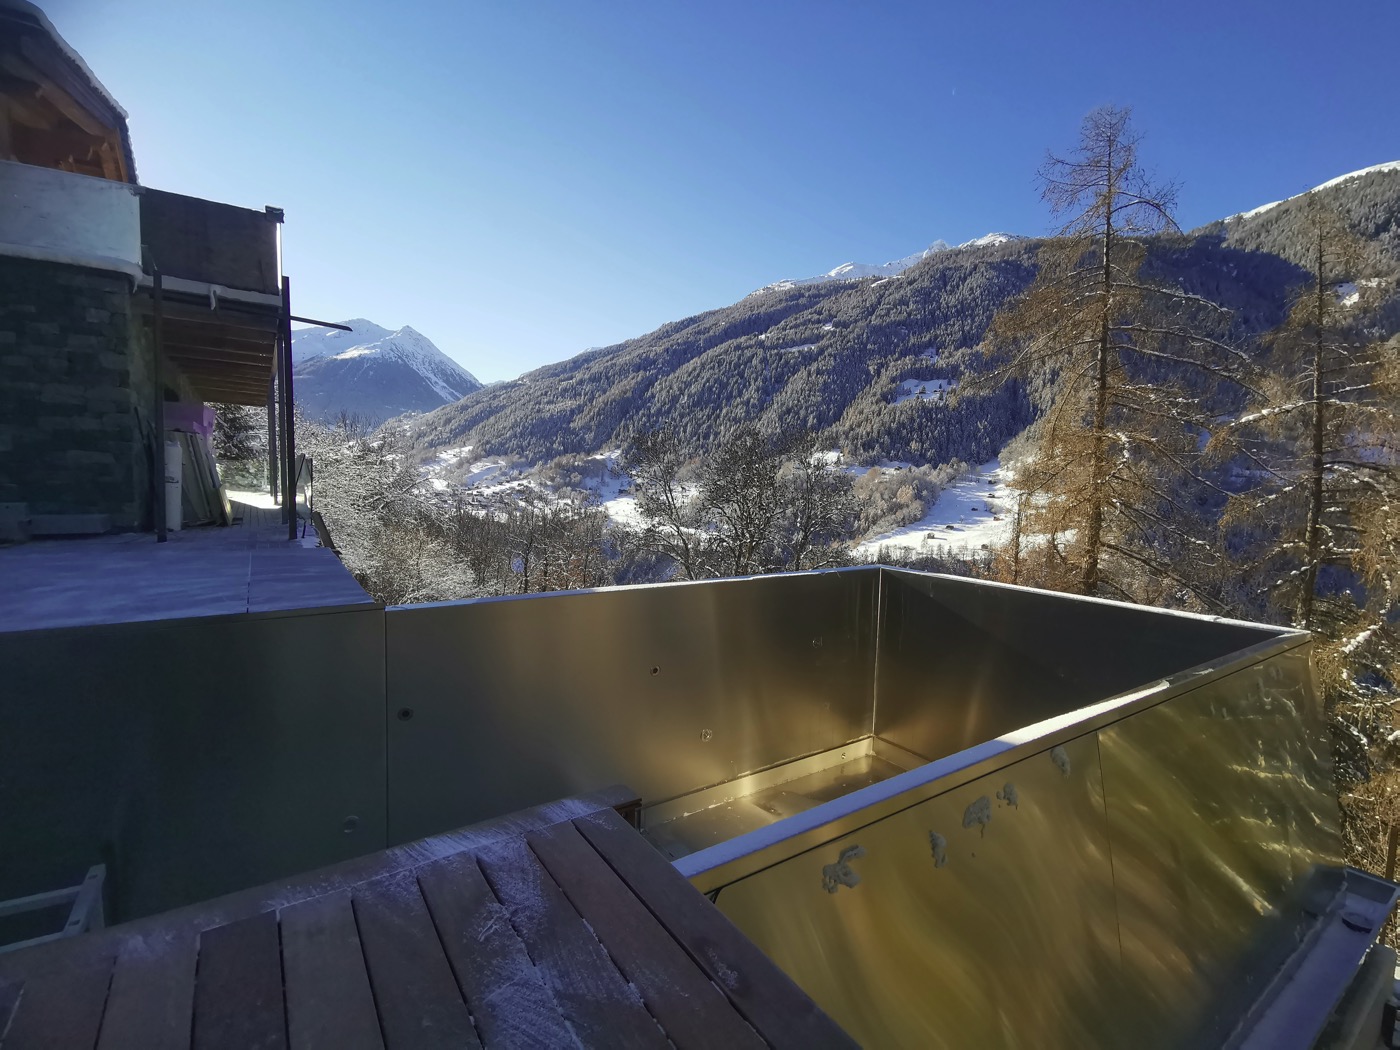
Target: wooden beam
211, 340
57, 96
29, 110
254, 318
231, 381
231, 395
110, 158
231, 354
220, 363
61, 141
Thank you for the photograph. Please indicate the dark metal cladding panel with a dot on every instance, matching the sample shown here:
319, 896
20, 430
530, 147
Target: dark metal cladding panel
201, 240
503, 704
195, 757
1221, 811
982, 917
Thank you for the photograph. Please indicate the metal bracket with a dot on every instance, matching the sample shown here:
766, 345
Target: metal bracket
86, 913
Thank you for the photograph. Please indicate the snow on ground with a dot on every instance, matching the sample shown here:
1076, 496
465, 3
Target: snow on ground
449, 456
973, 511
612, 491
481, 472
253, 497
923, 390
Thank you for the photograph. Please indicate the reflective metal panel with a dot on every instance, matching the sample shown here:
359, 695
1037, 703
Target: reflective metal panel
1146, 907
501, 704
979, 918
194, 757
1021, 656
1220, 808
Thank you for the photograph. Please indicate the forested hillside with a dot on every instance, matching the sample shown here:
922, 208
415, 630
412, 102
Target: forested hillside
846, 359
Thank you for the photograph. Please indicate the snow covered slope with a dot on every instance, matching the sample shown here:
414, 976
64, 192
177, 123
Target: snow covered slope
1392, 165
373, 373
852, 270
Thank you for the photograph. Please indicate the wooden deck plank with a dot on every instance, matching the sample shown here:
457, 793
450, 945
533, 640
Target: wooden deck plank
417, 996
329, 1003
151, 1002
510, 1003
59, 1011
766, 997
238, 987
464, 937
602, 1008
689, 1007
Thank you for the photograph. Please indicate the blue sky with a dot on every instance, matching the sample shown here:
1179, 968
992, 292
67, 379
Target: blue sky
522, 180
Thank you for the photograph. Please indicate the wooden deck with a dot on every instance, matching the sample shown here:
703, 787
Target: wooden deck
556, 927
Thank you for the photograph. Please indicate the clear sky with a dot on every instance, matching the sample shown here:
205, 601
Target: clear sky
520, 179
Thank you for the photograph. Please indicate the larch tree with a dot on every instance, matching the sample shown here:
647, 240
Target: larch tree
1319, 529
1118, 364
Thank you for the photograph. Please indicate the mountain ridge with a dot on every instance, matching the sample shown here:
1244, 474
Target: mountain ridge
373, 373
854, 271
838, 356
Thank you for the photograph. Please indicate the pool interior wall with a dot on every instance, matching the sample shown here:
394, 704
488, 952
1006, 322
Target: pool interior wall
197, 756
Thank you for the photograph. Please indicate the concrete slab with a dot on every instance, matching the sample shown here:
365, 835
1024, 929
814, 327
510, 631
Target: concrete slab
248, 567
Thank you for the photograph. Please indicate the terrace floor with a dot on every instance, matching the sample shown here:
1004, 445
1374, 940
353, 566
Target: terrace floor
249, 567
557, 926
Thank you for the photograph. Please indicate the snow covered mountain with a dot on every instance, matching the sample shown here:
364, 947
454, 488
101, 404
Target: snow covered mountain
852, 270
1393, 165
373, 373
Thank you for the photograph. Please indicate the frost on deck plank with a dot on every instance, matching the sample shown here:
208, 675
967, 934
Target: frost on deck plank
539, 929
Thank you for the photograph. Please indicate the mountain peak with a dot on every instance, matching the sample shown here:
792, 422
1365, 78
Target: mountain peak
373, 372
853, 270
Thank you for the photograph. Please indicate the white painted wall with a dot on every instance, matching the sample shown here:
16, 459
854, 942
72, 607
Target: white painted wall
61, 217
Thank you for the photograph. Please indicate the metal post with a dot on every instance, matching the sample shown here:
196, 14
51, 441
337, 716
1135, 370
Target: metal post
272, 430
158, 410
289, 481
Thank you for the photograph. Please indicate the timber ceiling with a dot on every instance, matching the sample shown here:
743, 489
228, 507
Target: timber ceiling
51, 114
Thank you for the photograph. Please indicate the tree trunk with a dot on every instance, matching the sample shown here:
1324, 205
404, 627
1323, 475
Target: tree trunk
1315, 467
1093, 539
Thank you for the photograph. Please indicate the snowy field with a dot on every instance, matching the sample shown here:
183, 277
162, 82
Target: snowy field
974, 511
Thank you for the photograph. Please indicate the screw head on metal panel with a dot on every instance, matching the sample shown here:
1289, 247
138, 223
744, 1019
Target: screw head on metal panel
1354, 920
706, 735
405, 713
349, 824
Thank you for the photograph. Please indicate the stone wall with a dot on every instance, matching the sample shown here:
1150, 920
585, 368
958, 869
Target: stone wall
75, 393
